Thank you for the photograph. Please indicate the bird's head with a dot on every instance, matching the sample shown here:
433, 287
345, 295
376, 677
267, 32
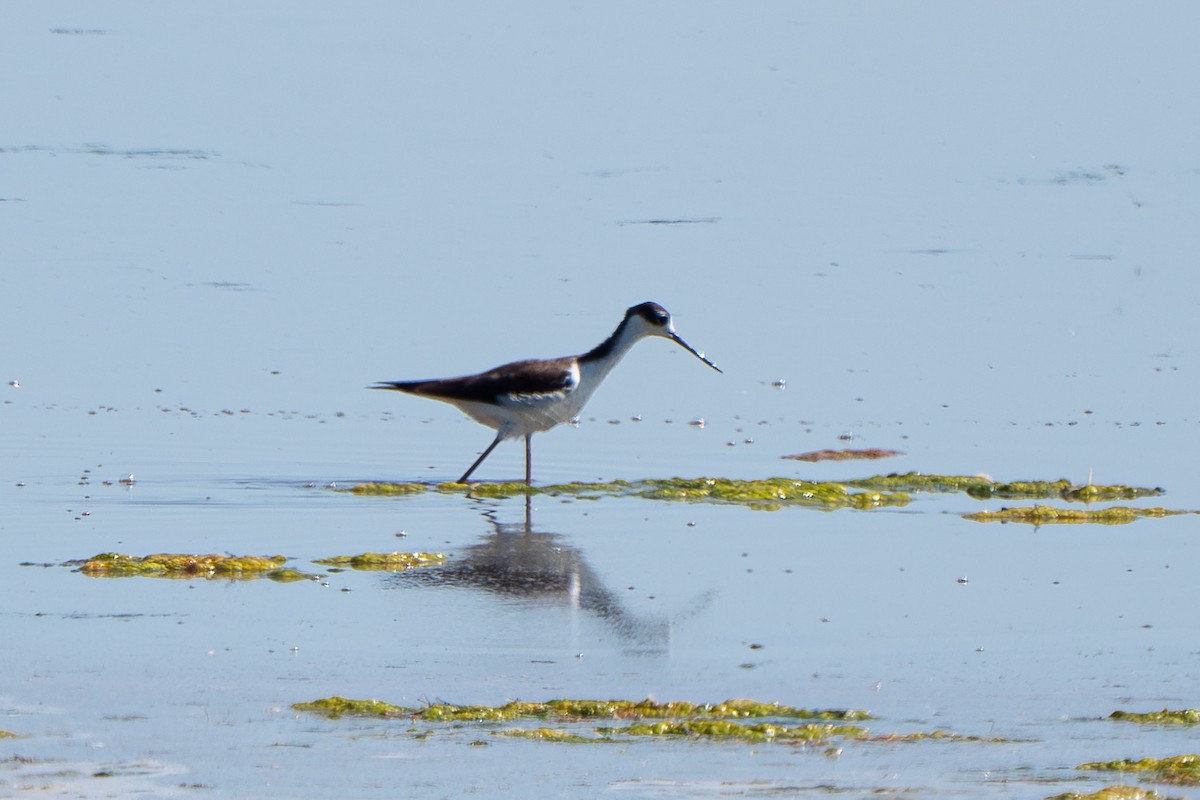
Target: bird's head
651, 319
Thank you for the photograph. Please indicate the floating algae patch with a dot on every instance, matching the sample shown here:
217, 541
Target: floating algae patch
1185, 716
7, 734
1049, 515
386, 489
768, 494
765, 494
1063, 489
1182, 770
698, 728
983, 488
649, 709
1117, 792
553, 735
575, 710
515, 489
730, 709
920, 482
937, 736
335, 707
182, 565
560, 720
391, 562
775, 493
1090, 493
741, 731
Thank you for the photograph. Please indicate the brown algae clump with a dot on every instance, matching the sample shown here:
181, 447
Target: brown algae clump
182, 565
1049, 515
1182, 770
391, 562
1186, 716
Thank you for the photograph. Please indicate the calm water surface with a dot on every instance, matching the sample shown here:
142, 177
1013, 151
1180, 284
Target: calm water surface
966, 234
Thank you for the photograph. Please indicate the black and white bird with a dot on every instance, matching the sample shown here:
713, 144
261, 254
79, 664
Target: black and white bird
527, 397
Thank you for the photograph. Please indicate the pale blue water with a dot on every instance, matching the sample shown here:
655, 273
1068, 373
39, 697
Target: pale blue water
964, 233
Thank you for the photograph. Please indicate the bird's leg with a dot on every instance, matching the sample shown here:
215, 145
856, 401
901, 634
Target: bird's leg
528, 459
499, 438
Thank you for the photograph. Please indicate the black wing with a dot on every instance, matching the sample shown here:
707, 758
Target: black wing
520, 377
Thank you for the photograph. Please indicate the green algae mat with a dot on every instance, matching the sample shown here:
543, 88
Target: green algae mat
1181, 770
766, 494
1181, 716
568, 710
574, 722
739, 720
1177, 770
880, 491
185, 565
383, 562
1049, 515
213, 566
1117, 792
629, 720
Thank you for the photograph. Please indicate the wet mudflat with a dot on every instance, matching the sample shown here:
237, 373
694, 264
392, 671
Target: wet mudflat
922, 241
980, 660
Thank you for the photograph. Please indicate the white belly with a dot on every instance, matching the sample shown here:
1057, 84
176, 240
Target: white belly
536, 413
520, 414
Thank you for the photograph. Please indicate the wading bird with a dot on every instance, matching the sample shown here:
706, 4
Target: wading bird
527, 397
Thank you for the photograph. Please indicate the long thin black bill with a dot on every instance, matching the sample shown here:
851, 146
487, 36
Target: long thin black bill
693, 351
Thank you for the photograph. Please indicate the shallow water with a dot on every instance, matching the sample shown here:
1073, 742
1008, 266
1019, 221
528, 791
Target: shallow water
958, 233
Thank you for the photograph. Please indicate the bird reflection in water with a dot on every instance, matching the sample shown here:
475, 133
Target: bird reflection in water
541, 568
